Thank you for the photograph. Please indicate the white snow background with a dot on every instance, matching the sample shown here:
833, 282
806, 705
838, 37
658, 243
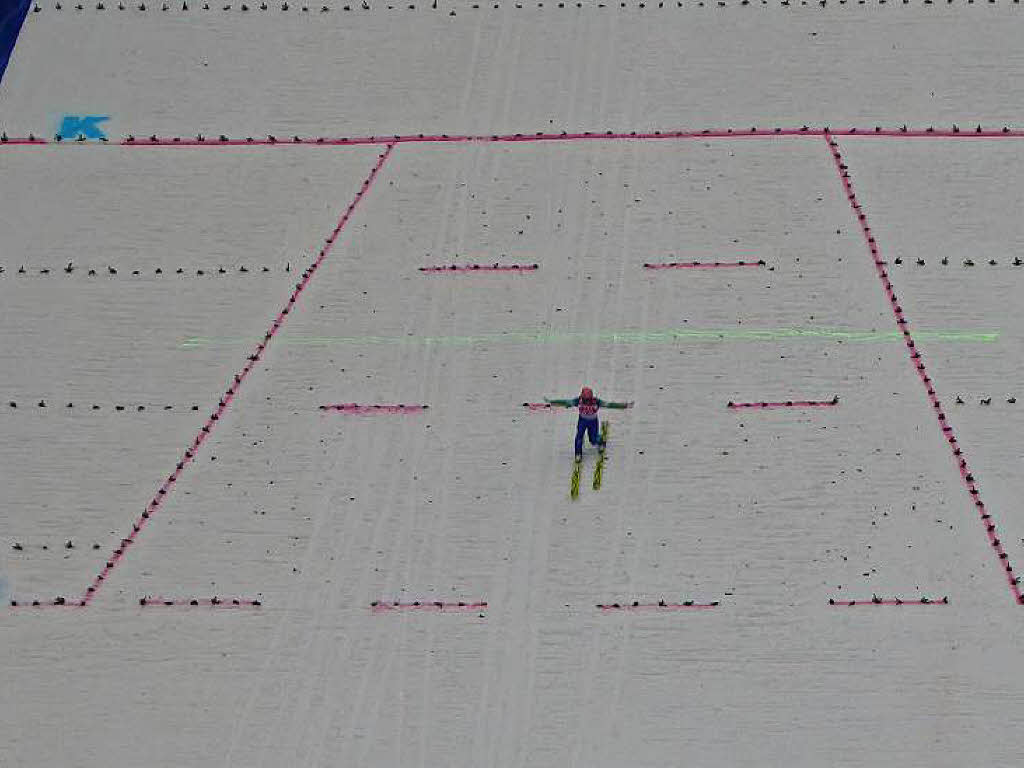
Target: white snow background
317, 514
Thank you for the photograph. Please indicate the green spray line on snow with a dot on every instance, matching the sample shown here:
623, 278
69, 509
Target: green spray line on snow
666, 336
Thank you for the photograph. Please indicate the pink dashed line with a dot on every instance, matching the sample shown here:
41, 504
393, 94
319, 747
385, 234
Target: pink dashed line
787, 404
687, 605
232, 390
373, 409
704, 264
915, 358
426, 605
483, 268
193, 602
891, 601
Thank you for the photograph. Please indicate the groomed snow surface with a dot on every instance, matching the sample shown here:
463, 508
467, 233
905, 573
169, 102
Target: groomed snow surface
309, 515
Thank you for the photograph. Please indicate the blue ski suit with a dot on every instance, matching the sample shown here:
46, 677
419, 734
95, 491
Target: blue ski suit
589, 423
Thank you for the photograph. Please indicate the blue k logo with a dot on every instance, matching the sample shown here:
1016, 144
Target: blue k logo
73, 126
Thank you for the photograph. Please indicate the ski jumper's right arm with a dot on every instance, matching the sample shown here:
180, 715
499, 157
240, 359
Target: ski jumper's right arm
569, 402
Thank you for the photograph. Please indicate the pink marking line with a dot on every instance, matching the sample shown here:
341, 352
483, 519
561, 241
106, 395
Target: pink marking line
209, 602
373, 409
891, 601
729, 133
56, 602
323, 141
928, 133
686, 605
787, 404
539, 406
232, 390
483, 268
22, 142
915, 358
704, 264
380, 606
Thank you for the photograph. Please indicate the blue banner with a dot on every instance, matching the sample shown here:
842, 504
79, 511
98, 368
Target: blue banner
12, 14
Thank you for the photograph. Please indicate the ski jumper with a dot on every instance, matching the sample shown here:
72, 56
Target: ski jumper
588, 423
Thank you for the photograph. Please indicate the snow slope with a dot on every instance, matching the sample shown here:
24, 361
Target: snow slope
316, 514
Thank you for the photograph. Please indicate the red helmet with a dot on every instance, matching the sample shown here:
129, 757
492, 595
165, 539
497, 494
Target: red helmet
587, 393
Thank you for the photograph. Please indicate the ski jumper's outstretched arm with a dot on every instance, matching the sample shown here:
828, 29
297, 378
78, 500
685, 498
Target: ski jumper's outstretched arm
604, 404
575, 401
568, 402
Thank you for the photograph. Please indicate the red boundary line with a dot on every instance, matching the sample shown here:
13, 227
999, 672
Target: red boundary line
421, 138
915, 358
391, 142
229, 395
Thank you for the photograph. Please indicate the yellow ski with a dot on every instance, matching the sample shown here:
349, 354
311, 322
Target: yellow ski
599, 467
574, 485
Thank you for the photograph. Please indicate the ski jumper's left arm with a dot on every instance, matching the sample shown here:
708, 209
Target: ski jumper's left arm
620, 406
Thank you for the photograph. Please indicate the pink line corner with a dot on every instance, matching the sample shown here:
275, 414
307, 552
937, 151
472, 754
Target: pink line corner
229, 395
916, 359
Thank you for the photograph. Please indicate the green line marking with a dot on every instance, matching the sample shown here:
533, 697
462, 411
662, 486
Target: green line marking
665, 336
